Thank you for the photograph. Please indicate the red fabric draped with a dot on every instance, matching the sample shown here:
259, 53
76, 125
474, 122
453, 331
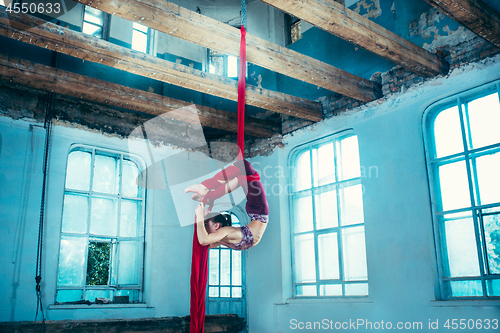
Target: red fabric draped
199, 275
199, 263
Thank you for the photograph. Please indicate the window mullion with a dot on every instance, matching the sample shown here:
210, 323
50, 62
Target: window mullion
340, 251
315, 235
89, 217
471, 193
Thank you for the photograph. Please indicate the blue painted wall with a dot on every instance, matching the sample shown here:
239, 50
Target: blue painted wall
402, 271
400, 248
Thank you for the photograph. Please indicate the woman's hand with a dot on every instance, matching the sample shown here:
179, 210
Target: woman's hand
200, 212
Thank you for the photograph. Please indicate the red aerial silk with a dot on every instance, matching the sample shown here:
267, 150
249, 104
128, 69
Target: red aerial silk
199, 263
199, 274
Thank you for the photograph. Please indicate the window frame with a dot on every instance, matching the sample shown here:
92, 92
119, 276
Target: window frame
292, 159
469, 157
243, 220
149, 37
114, 240
105, 23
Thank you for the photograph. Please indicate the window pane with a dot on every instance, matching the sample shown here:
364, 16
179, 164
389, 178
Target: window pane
213, 291
461, 248
454, 186
305, 263
448, 133
305, 290
492, 236
93, 15
236, 268
128, 267
213, 267
98, 259
106, 171
348, 158
140, 27
103, 217
493, 287
130, 180
225, 271
71, 261
78, 170
75, 213
466, 288
216, 63
484, 117
69, 295
302, 176
133, 295
328, 260
303, 216
225, 292
130, 216
354, 249
139, 41
326, 210
330, 290
232, 66
488, 176
324, 165
351, 205
92, 30
237, 292
356, 289
92, 294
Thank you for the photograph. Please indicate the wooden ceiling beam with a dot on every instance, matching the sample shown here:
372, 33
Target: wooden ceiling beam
359, 30
182, 23
50, 36
475, 15
62, 82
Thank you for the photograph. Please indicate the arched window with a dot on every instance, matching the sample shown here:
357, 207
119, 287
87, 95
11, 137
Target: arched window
328, 235
102, 229
463, 155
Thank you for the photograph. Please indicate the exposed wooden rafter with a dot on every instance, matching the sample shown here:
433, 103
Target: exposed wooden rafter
179, 22
37, 32
66, 83
475, 15
359, 30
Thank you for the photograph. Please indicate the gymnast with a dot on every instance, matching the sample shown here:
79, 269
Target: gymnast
214, 229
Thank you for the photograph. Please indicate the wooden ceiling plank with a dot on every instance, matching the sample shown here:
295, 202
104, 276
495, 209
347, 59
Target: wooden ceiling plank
62, 82
359, 30
475, 15
182, 23
47, 35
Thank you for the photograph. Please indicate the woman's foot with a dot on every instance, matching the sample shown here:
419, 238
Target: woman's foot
199, 191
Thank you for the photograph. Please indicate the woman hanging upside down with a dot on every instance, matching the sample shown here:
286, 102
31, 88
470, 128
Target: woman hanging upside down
215, 229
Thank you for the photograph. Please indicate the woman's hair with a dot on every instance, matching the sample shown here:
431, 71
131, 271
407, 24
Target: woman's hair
223, 218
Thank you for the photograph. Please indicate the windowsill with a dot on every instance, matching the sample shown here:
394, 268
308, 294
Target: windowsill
300, 300
98, 306
480, 303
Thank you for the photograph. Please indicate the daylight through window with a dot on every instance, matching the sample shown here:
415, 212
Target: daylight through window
328, 234
464, 161
102, 232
